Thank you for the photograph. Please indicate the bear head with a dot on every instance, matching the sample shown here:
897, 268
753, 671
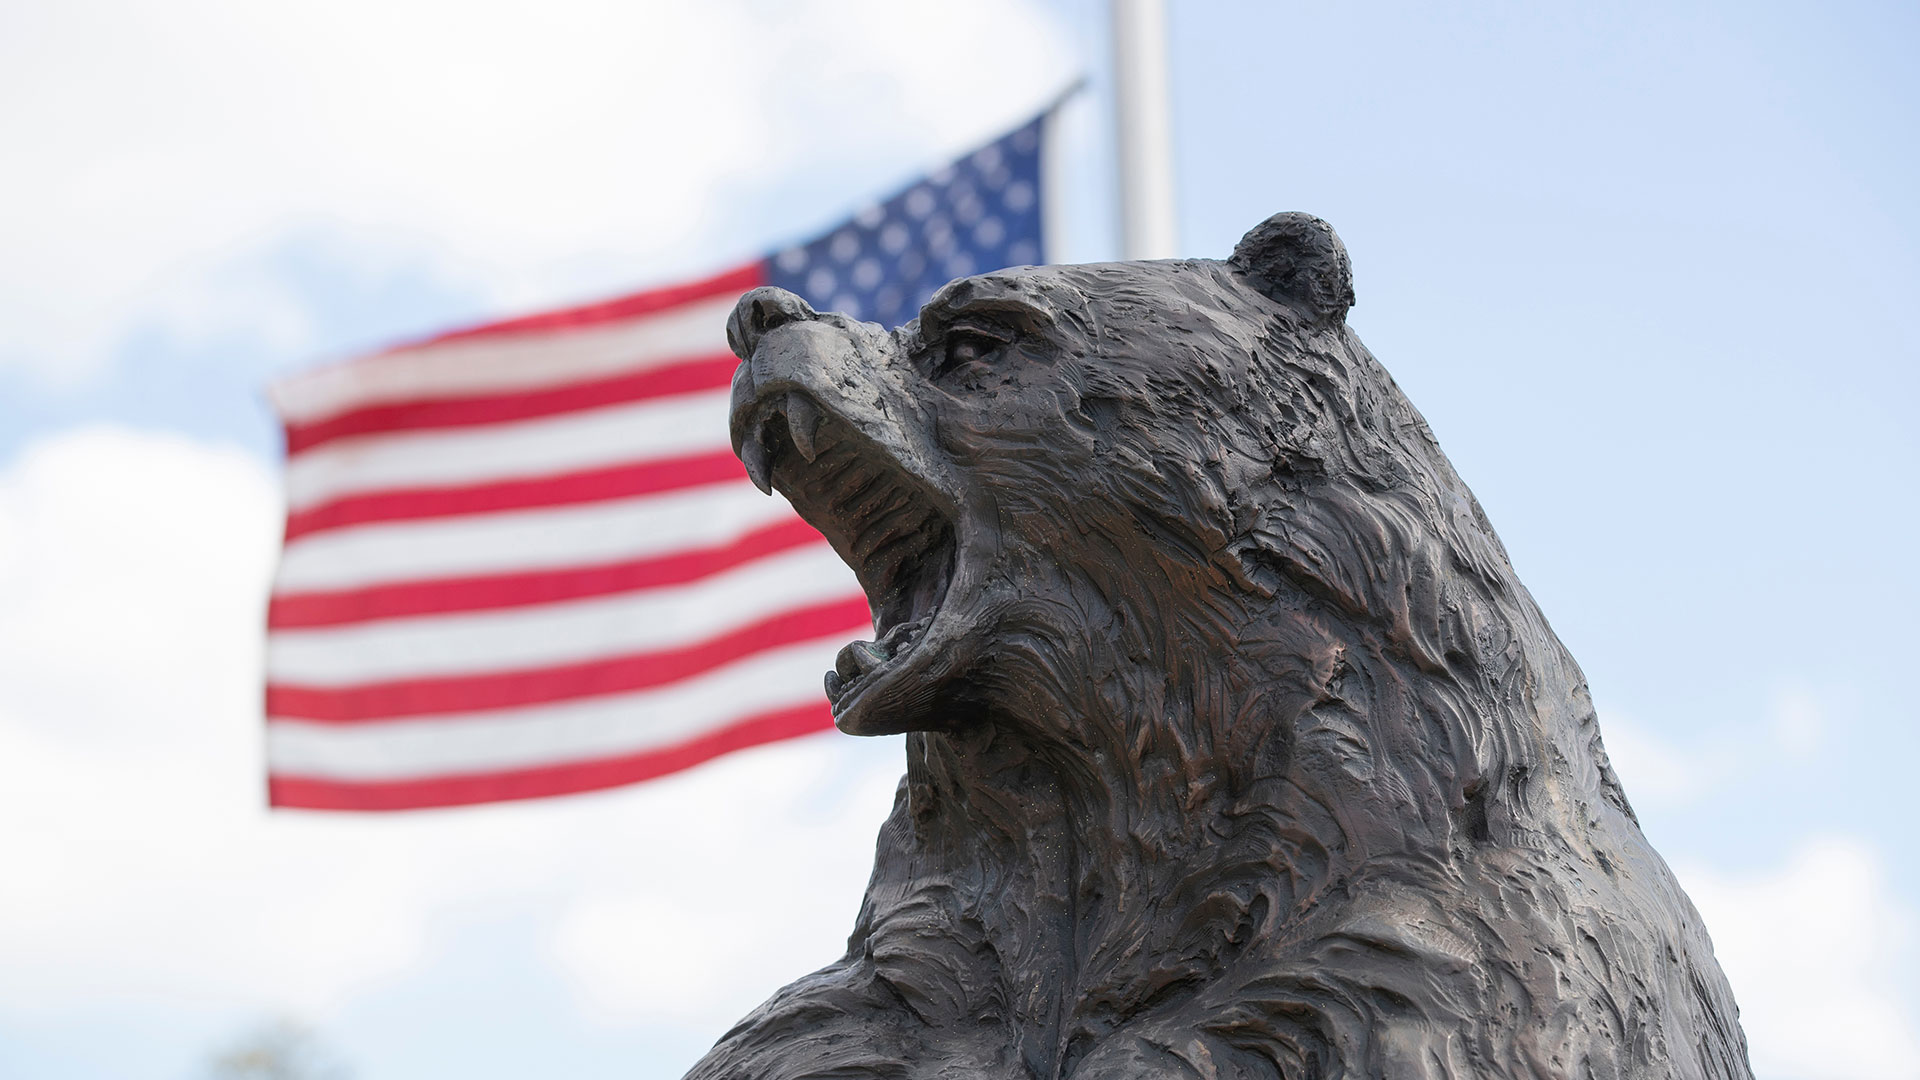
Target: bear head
1064, 475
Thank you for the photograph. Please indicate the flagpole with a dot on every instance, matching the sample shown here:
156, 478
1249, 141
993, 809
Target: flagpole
1143, 130
1053, 193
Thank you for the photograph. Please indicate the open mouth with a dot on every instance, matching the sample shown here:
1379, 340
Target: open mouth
883, 521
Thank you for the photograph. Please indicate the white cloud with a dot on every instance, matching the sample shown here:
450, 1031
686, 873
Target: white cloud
138, 860
140, 866
150, 145
1819, 952
132, 564
700, 950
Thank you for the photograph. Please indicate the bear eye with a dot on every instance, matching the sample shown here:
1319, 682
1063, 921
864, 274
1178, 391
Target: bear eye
965, 346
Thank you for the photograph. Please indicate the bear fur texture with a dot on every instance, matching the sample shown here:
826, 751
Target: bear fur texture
1236, 750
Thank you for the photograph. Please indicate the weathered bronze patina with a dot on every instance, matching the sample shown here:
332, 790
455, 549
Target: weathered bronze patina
1235, 748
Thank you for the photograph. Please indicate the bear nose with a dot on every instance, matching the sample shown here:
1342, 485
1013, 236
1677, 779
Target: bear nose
759, 312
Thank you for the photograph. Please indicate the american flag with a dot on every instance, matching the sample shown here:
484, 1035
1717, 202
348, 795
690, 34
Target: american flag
521, 559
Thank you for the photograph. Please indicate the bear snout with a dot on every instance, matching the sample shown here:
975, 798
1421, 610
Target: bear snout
762, 310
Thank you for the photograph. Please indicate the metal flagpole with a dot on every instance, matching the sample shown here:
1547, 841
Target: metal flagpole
1142, 128
1053, 193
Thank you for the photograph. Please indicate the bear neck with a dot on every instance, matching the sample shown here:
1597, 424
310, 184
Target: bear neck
1064, 839
1177, 806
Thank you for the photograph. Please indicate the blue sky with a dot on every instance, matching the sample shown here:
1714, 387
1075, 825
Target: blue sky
1649, 272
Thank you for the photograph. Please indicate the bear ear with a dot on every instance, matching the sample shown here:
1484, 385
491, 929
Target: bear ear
1297, 259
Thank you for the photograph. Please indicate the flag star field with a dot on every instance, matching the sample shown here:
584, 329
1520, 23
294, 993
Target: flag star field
980, 213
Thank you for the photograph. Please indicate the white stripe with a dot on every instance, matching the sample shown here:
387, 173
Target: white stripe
503, 363
472, 643
545, 538
521, 449
575, 731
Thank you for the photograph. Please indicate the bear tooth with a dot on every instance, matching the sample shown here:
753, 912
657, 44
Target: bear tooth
896, 640
803, 423
857, 659
743, 390
753, 454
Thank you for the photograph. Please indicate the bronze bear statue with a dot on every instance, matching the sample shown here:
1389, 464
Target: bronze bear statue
1235, 748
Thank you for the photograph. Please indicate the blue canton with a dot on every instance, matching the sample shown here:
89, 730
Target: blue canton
978, 214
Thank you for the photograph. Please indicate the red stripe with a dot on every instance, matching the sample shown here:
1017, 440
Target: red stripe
294, 610
317, 794
613, 675
590, 485
685, 377
631, 306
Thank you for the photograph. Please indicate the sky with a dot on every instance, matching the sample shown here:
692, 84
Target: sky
1648, 270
